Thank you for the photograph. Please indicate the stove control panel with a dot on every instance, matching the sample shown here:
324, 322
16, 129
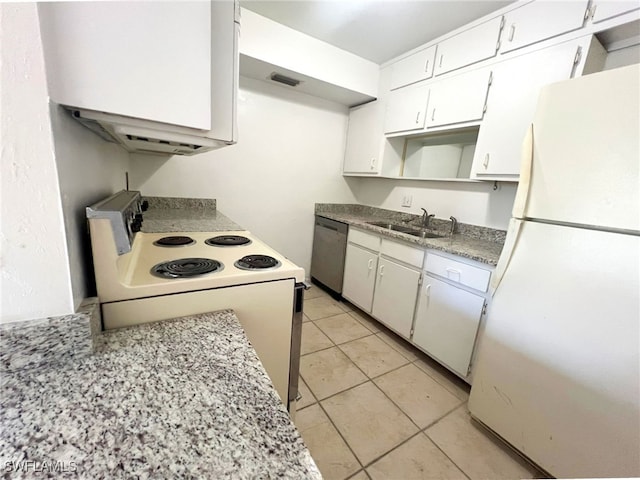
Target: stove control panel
124, 210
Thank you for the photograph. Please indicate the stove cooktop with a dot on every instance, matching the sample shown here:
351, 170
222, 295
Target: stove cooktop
257, 262
227, 241
186, 267
174, 241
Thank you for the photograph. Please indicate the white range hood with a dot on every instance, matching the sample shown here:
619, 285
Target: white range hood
119, 72
144, 136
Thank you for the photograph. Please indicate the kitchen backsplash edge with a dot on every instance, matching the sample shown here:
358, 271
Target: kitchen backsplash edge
180, 203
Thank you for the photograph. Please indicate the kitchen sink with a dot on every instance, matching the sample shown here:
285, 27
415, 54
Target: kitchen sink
416, 232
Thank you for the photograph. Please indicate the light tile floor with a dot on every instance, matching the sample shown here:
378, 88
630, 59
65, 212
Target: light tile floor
375, 407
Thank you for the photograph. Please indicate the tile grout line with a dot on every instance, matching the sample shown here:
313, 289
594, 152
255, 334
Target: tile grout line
439, 382
438, 446
341, 436
371, 379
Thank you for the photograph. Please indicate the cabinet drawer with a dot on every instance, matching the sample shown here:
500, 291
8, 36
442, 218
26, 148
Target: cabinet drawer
465, 274
367, 240
414, 68
404, 253
471, 46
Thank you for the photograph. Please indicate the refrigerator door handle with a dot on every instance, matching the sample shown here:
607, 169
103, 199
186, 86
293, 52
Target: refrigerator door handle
513, 232
524, 183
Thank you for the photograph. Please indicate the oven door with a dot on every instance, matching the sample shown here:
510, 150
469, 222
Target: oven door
296, 339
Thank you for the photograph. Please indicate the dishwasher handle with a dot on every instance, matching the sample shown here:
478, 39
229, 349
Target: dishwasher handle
329, 224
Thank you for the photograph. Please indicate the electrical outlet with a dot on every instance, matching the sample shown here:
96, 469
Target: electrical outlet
406, 201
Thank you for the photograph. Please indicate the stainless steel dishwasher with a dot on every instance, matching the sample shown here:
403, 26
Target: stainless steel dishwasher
329, 248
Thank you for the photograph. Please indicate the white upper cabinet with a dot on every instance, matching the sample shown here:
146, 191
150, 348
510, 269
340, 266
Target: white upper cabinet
414, 68
512, 102
540, 20
406, 108
471, 46
605, 9
149, 60
458, 99
364, 139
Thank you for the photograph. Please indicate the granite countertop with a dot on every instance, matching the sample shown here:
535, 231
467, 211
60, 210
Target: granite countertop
181, 398
170, 214
477, 243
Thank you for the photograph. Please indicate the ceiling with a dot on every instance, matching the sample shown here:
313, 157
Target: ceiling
377, 30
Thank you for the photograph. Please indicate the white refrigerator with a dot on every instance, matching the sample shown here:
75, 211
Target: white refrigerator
557, 373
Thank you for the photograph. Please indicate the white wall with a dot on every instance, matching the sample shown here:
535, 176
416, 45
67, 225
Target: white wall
288, 157
474, 203
52, 168
277, 44
35, 272
89, 169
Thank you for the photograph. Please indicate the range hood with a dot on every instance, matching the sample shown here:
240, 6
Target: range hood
145, 136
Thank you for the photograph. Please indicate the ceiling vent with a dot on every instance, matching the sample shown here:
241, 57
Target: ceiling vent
292, 82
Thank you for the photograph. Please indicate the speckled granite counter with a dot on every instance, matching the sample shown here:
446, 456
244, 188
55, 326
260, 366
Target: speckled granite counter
477, 243
170, 214
184, 398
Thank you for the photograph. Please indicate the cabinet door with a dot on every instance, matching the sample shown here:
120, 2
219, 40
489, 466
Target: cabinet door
149, 60
359, 276
395, 296
458, 99
471, 46
414, 68
447, 323
511, 104
539, 20
605, 9
364, 140
406, 109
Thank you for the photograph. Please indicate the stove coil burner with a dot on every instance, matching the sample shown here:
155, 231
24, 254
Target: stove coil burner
227, 241
186, 267
257, 262
175, 241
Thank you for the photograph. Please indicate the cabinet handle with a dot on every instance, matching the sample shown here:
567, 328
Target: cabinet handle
441, 56
426, 65
417, 117
433, 114
381, 270
427, 293
373, 163
453, 271
370, 263
485, 163
512, 31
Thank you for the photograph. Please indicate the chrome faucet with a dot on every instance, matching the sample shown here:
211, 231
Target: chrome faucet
426, 218
454, 224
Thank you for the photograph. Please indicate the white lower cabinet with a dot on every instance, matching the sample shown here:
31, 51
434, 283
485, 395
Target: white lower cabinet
438, 309
447, 323
395, 295
360, 269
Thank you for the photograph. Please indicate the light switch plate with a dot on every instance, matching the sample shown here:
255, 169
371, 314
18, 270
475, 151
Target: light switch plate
406, 200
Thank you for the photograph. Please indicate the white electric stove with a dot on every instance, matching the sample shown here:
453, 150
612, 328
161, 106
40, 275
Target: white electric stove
145, 277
